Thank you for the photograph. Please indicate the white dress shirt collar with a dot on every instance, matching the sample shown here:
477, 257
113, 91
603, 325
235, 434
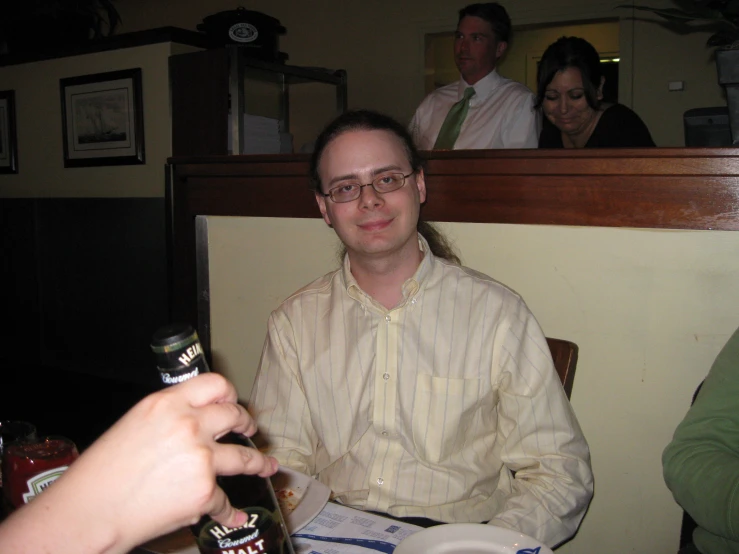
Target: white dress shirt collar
483, 88
410, 287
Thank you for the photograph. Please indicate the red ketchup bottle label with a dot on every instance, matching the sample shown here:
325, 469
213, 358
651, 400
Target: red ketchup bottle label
31, 467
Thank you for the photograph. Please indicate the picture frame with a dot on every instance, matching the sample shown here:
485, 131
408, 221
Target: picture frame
8, 133
102, 119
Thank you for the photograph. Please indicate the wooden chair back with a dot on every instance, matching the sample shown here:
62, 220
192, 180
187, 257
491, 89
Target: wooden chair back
564, 354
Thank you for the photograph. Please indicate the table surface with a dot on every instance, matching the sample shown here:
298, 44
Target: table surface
181, 542
326, 524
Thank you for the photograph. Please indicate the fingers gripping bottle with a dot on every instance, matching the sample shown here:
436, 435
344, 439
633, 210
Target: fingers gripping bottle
179, 357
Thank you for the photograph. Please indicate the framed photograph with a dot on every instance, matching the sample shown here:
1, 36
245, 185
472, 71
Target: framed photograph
8, 136
102, 119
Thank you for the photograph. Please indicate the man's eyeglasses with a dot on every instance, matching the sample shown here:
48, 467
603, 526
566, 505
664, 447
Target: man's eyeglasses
353, 190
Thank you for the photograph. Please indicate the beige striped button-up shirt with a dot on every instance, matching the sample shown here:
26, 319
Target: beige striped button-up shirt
425, 409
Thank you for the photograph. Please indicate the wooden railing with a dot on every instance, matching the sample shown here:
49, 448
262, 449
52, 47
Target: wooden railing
661, 188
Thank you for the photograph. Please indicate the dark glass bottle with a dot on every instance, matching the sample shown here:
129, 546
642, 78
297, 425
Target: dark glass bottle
179, 357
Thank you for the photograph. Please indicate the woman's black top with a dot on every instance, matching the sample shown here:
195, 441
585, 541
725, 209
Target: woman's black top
618, 127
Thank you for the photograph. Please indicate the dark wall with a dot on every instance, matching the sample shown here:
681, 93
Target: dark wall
83, 287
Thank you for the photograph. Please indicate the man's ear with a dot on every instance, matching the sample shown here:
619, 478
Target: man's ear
500, 49
421, 185
321, 201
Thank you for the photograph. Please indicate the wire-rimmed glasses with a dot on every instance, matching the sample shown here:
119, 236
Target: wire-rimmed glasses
382, 184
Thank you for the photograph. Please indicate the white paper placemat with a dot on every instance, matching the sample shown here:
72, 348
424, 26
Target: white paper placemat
342, 530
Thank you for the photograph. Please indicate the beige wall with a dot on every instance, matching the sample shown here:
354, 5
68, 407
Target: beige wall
649, 310
239, 317
381, 45
39, 121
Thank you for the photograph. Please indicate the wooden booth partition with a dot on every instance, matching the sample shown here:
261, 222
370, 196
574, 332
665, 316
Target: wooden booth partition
661, 188
258, 186
631, 254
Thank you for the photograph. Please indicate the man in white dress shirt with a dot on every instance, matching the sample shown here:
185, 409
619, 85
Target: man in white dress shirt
408, 384
501, 111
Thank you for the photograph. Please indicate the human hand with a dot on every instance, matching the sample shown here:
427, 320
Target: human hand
154, 470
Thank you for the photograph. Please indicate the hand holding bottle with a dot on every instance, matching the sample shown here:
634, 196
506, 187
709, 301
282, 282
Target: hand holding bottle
151, 473
180, 358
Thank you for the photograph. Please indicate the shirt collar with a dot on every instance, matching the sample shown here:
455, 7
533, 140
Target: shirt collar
483, 87
410, 287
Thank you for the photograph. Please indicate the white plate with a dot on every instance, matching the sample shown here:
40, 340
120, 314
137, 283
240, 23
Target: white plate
314, 496
470, 538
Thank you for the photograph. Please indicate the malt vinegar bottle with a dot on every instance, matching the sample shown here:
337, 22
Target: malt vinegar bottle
179, 357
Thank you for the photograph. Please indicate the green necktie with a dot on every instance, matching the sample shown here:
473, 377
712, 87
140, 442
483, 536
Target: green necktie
453, 123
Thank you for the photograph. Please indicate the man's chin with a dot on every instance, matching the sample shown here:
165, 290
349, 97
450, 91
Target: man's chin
462, 65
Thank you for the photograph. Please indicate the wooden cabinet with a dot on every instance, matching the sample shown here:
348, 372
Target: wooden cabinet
209, 87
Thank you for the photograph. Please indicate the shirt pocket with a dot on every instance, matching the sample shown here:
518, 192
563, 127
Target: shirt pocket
442, 413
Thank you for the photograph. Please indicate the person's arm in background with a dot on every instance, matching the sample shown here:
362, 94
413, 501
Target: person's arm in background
423, 118
541, 438
523, 124
414, 127
151, 473
701, 464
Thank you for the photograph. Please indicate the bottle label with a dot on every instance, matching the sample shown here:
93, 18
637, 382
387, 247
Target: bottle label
261, 534
38, 483
181, 360
174, 377
192, 352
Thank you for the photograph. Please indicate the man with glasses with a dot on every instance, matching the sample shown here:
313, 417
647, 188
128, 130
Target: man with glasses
482, 109
409, 384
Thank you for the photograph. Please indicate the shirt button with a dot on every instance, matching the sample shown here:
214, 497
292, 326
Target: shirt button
380, 481
386, 376
413, 301
387, 318
384, 433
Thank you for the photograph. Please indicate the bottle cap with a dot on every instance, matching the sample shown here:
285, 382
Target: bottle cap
168, 337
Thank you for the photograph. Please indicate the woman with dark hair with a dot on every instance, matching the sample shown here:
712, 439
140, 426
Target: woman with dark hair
570, 94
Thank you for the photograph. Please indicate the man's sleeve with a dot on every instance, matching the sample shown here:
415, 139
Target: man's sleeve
414, 128
541, 439
523, 124
701, 464
420, 124
278, 402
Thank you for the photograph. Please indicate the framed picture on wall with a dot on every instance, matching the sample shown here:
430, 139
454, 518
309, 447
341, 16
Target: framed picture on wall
8, 135
102, 119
